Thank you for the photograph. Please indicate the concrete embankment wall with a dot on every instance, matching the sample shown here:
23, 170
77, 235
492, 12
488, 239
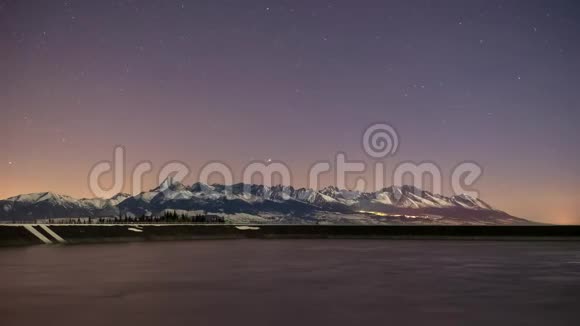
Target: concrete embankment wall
31, 234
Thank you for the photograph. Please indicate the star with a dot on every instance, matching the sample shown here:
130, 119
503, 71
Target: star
269, 160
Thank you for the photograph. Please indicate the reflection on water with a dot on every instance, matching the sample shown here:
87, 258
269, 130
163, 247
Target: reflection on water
292, 282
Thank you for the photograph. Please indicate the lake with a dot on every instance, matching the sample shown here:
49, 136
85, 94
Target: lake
292, 282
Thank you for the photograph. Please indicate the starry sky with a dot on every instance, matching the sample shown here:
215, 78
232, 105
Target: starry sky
494, 82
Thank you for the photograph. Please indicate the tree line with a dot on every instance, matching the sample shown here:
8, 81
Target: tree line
167, 217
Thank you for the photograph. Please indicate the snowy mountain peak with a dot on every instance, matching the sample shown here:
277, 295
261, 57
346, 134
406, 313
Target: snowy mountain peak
201, 187
40, 197
329, 190
170, 184
121, 195
163, 186
279, 201
118, 198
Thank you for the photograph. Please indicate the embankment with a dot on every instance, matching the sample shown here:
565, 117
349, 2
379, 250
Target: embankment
33, 234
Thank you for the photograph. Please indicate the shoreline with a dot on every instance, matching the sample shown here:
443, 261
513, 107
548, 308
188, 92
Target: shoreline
67, 234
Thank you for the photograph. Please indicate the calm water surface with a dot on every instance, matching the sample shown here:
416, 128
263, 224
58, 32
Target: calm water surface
293, 282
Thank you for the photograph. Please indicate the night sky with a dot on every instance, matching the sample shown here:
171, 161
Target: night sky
495, 82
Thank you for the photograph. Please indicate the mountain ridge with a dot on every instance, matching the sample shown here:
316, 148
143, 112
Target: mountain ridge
259, 203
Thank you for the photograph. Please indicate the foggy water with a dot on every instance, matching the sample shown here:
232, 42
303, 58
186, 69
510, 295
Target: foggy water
292, 282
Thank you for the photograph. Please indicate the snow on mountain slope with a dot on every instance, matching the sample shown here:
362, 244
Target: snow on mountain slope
405, 196
202, 190
313, 197
277, 202
42, 197
118, 198
470, 202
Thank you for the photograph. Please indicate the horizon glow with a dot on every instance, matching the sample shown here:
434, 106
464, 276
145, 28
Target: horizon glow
486, 81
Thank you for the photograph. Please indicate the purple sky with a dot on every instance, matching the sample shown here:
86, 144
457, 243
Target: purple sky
495, 82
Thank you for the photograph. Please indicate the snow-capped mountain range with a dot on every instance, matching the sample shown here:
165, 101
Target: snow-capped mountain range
278, 204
